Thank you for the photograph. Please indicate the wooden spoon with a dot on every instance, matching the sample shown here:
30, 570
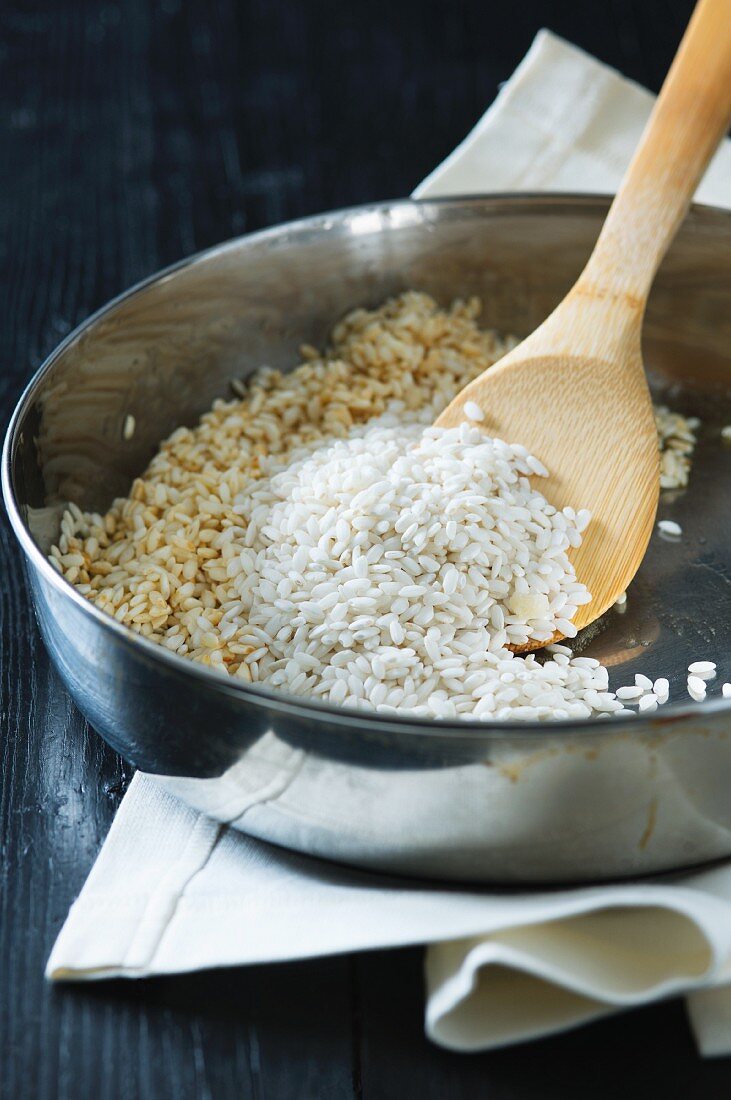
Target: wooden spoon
574, 392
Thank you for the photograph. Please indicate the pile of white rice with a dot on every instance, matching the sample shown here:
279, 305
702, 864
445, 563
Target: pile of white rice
393, 569
317, 536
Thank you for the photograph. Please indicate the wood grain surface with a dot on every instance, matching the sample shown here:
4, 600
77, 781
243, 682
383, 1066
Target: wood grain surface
132, 134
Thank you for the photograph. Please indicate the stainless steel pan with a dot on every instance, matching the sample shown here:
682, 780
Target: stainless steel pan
567, 801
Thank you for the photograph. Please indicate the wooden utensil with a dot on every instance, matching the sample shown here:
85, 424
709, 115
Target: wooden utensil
574, 392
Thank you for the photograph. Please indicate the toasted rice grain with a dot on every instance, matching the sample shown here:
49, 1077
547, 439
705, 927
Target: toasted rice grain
677, 438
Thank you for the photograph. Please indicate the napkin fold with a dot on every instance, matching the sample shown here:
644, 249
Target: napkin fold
173, 890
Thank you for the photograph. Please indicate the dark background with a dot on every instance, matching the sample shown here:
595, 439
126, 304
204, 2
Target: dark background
131, 134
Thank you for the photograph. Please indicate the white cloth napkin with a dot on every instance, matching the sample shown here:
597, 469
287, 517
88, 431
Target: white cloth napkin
173, 890
563, 122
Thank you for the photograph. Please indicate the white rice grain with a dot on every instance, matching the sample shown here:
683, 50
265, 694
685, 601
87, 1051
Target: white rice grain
696, 688
705, 669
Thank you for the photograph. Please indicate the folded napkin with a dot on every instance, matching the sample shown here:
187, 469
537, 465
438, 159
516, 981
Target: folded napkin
173, 890
563, 122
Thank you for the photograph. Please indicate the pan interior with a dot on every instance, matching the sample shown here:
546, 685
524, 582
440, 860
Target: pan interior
163, 353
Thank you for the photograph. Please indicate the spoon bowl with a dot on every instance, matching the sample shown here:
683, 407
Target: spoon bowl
610, 466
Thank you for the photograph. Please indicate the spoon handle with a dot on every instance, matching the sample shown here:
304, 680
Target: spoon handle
690, 117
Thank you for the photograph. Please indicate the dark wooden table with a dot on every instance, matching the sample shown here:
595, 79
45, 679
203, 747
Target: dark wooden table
131, 134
